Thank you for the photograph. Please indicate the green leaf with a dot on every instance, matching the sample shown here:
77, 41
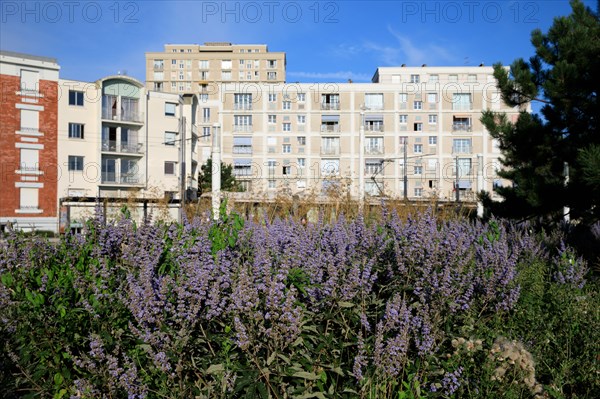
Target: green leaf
215, 368
306, 375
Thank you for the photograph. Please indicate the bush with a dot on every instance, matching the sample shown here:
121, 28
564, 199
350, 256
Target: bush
394, 308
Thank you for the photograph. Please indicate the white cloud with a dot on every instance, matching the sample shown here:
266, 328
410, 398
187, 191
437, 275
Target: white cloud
403, 51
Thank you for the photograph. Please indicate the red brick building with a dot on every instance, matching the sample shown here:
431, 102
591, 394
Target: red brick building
28, 141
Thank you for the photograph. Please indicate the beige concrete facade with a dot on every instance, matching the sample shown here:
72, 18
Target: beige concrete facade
304, 138
193, 68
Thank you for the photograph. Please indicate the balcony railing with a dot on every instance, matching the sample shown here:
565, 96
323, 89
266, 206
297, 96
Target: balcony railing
373, 150
242, 106
111, 114
159, 67
132, 148
128, 148
29, 129
462, 150
242, 149
332, 128
374, 128
242, 128
330, 106
109, 145
462, 127
123, 178
330, 150
462, 106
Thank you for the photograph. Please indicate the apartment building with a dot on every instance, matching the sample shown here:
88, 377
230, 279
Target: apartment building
28, 141
422, 134
119, 140
193, 68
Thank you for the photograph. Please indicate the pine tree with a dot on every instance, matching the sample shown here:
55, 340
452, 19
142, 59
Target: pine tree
564, 76
228, 181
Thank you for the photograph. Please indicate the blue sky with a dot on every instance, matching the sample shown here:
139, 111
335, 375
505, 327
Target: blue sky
324, 40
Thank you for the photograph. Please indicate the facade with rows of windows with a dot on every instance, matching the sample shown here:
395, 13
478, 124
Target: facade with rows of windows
421, 128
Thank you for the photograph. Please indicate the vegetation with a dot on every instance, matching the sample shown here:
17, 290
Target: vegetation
228, 181
536, 148
415, 307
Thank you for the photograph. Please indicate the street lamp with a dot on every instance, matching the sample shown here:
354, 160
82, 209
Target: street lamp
361, 158
216, 171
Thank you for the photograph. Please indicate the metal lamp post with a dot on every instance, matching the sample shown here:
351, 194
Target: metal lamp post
216, 171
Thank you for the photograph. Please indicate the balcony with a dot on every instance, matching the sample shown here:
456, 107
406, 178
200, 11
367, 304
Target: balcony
330, 106
242, 106
374, 128
462, 106
242, 128
159, 67
330, 128
124, 148
123, 178
462, 127
330, 150
112, 115
242, 149
462, 150
374, 150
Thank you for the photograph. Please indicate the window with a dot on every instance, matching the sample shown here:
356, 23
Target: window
170, 167
418, 192
415, 78
75, 163
173, 62
330, 167
242, 101
433, 119
226, 64
271, 75
271, 63
330, 101
287, 105
374, 101
29, 199
301, 119
30, 159
434, 78
242, 145
75, 130
242, 123
286, 149
301, 97
464, 167
242, 62
403, 119
453, 78
30, 120
418, 148
373, 166
418, 127
225, 75
76, 98
431, 165
418, 105
272, 119
272, 97
206, 114
330, 145
170, 109
432, 140
301, 162
432, 98
403, 98
242, 167
418, 170
374, 145
170, 138
203, 64
29, 81
272, 184
461, 101
461, 146
471, 78
301, 140
287, 127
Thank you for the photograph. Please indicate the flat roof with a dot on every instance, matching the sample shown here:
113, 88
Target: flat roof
28, 56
